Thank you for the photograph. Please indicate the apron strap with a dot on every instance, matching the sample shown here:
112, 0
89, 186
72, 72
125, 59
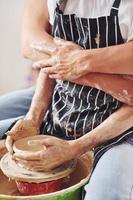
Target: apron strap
115, 8
61, 5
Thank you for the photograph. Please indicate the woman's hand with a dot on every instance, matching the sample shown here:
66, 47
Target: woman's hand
23, 128
56, 152
68, 61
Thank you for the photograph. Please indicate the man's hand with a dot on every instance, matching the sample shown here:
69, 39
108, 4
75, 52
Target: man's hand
23, 128
56, 152
67, 60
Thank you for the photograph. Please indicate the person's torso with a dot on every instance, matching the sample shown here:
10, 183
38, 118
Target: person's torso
98, 8
78, 109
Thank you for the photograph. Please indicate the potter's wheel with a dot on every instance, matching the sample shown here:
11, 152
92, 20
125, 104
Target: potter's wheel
15, 171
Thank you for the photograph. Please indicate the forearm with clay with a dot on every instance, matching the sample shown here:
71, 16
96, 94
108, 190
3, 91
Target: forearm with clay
44, 87
41, 99
112, 127
118, 86
112, 60
35, 29
112, 82
108, 72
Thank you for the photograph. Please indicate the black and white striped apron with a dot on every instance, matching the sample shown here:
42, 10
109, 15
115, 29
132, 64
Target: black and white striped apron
77, 109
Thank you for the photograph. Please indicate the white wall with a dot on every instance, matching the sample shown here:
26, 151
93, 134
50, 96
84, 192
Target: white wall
12, 66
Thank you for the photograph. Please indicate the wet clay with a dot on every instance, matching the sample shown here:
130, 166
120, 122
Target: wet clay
15, 171
24, 146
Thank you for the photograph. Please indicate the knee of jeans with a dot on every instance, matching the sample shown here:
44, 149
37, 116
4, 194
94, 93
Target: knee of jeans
112, 178
108, 193
107, 188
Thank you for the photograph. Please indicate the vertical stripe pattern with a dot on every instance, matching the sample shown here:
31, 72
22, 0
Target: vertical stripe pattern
76, 109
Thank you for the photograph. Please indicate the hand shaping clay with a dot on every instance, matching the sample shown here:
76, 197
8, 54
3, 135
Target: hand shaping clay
31, 182
15, 171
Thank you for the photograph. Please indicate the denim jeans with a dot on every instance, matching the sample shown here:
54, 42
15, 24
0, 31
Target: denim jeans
13, 106
112, 178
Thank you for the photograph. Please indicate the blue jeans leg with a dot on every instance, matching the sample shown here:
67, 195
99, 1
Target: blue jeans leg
112, 178
14, 106
16, 103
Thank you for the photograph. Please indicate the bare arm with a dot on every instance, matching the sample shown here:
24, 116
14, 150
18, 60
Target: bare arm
118, 86
36, 28
116, 124
112, 127
52, 157
74, 65
41, 99
113, 60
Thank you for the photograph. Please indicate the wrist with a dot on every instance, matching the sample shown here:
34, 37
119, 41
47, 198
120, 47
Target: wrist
83, 144
77, 148
86, 61
32, 120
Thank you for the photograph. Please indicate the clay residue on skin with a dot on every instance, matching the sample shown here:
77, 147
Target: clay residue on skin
125, 92
97, 86
125, 97
43, 46
129, 77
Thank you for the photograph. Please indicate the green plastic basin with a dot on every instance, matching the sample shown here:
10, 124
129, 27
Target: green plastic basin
72, 190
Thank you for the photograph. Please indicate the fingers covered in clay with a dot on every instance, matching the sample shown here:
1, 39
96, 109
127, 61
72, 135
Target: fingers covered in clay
37, 165
49, 158
33, 165
44, 63
44, 47
23, 128
63, 60
29, 156
41, 161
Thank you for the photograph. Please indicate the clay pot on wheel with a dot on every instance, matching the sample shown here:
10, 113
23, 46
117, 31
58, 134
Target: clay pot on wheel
30, 182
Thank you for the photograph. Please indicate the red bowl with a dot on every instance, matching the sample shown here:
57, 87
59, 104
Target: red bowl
26, 188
